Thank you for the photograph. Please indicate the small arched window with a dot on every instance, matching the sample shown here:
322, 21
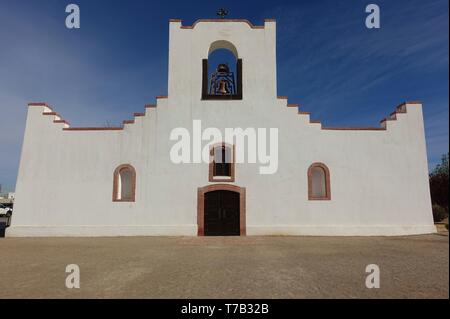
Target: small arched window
221, 166
319, 182
124, 184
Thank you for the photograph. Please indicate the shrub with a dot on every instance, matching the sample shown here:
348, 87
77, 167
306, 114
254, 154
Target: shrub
439, 213
439, 183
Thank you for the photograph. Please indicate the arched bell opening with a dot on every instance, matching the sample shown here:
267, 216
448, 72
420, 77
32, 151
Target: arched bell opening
222, 73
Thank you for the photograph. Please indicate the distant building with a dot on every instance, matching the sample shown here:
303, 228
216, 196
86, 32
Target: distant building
90, 181
7, 198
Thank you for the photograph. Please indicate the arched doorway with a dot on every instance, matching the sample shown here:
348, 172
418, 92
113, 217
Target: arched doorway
221, 210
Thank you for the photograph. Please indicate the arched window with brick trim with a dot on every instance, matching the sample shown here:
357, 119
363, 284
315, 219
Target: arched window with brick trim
124, 184
319, 182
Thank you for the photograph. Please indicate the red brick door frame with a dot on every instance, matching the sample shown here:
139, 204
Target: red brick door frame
201, 191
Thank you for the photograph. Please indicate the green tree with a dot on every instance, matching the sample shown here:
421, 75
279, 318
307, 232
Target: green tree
439, 185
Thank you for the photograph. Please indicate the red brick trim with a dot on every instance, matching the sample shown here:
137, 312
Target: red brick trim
51, 113
117, 128
116, 183
392, 117
400, 109
354, 128
327, 182
211, 176
93, 129
218, 20
387, 119
201, 191
61, 121
342, 128
408, 102
39, 104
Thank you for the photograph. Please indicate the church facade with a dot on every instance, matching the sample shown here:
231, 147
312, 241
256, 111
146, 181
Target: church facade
123, 181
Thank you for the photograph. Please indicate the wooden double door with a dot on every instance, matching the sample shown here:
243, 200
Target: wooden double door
222, 213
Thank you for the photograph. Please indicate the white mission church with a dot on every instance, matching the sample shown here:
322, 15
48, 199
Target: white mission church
121, 181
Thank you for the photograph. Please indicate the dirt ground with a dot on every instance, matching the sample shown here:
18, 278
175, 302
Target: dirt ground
225, 267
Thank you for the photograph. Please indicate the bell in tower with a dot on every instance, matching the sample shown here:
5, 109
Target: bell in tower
222, 81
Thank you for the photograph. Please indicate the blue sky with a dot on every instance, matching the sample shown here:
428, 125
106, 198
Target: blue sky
328, 61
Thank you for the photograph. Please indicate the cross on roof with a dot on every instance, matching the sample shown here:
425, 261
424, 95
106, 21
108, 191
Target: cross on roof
222, 13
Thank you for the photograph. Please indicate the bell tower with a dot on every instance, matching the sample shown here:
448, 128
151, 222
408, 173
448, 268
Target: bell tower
252, 78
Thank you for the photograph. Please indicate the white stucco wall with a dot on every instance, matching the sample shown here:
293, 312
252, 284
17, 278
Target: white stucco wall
379, 178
